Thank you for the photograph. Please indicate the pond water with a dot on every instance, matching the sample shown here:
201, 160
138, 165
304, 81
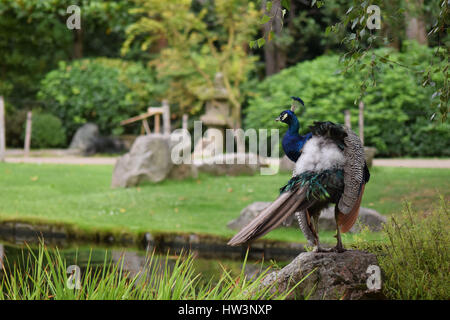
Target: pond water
211, 254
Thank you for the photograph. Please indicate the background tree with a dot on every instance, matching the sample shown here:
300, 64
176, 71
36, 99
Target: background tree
425, 21
197, 50
34, 37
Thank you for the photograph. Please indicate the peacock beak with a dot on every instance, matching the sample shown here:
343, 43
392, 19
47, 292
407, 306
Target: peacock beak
278, 118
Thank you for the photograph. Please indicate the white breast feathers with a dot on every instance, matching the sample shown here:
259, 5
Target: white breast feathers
319, 154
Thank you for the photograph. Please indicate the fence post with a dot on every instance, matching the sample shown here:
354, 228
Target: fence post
348, 123
2, 130
157, 124
166, 117
28, 134
361, 122
185, 122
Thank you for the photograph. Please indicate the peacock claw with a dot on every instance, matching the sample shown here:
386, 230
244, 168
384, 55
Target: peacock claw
338, 249
318, 249
335, 249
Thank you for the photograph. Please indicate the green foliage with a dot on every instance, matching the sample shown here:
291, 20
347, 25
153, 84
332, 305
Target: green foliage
44, 277
103, 91
396, 111
34, 37
14, 124
198, 47
359, 40
305, 30
47, 131
416, 258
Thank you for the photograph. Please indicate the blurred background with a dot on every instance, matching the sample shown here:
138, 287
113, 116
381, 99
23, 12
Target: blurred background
129, 55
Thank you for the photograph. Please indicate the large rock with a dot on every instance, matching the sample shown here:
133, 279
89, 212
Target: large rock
88, 141
105, 145
230, 164
85, 138
333, 276
367, 217
248, 214
148, 160
183, 171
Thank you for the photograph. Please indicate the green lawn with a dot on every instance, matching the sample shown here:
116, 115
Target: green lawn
80, 196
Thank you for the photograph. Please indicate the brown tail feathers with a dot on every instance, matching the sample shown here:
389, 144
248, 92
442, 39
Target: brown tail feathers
346, 221
285, 205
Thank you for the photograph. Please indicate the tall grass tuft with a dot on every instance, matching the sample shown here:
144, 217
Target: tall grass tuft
43, 276
415, 256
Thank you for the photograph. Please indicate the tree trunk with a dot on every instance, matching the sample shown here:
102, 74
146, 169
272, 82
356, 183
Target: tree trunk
274, 55
415, 24
78, 44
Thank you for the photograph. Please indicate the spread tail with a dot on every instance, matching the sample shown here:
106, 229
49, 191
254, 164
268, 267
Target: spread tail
284, 206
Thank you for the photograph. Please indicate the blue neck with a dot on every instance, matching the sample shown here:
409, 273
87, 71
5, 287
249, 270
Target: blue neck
294, 126
293, 142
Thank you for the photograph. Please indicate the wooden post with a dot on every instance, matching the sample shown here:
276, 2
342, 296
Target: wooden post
166, 117
361, 122
348, 123
157, 123
146, 126
2, 130
28, 134
185, 122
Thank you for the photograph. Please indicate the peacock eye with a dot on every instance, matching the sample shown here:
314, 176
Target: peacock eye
284, 116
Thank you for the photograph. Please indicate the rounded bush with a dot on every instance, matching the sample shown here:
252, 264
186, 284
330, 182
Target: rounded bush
397, 109
47, 131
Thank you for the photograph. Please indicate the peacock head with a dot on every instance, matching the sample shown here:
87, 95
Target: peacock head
288, 116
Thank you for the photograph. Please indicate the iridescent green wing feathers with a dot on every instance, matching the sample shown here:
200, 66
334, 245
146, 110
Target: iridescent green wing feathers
319, 185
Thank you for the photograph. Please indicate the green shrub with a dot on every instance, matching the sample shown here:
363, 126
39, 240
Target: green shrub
47, 131
103, 91
42, 275
415, 259
14, 124
396, 113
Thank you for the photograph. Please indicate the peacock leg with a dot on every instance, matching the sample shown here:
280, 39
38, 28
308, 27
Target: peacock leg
317, 247
310, 229
304, 224
339, 246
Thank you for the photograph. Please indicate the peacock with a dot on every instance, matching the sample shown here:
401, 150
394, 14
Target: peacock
330, 168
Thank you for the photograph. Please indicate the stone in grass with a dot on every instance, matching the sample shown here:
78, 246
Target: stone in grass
230, 164
335, 276
251, 211
248, 214
286, 164
367, 217
84, 138
148, 160
183, 171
